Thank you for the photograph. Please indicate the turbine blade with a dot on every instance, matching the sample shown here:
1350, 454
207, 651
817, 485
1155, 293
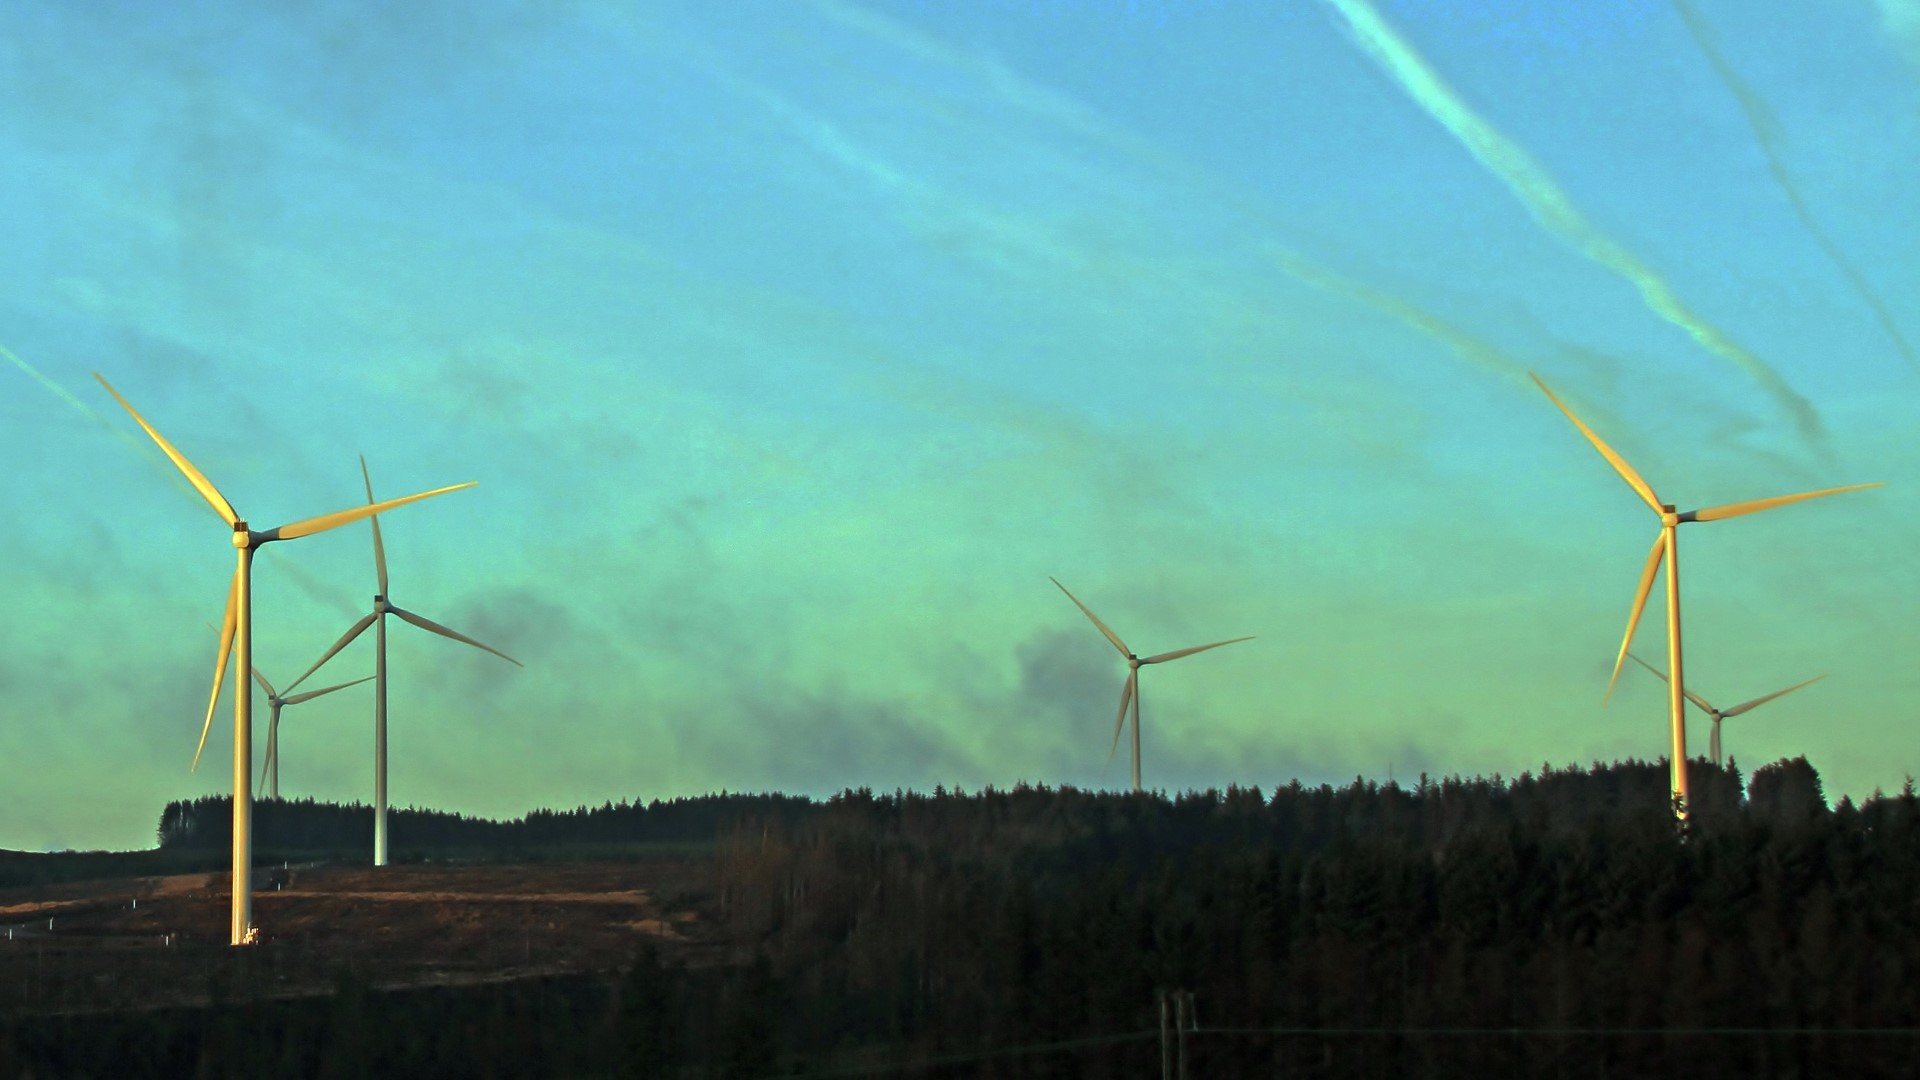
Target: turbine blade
194, 476
1745, 705
1639, 604
1120, 723
228, 626
1111, 636
1662, 676
344, 517
429, 624
1716, 513
379, 549
311, 694
257, 677
1714, 740
345, 640
1178, 653
273, 744
1619, 463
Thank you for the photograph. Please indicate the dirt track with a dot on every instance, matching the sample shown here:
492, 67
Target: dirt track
146, 942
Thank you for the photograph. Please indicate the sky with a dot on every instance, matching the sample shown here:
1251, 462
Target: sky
795, 347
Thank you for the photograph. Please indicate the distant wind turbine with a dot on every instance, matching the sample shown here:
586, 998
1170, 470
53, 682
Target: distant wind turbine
1713, 741
377, 618
236, 635
1665, 547
271, 767
1130, 694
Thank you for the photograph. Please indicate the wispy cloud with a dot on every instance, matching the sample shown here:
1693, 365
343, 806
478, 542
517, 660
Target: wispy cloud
1551, 206
1767, 132
1900, 19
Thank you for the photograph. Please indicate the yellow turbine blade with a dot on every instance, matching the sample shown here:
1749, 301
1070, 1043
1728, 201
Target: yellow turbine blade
1111, 636
1178, 653
1639, 604
1745, 705
194, 476
1662, 676
273, 744
346, 517
228, 626
1619, 463
1716, 513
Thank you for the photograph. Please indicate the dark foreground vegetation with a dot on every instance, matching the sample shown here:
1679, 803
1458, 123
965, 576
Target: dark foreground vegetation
1551, 925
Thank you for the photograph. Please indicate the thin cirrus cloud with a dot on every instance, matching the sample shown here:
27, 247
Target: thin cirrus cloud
1553, 208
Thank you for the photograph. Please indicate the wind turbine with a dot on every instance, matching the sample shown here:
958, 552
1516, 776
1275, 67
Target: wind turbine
1665, 547
378, 618
271, 767
1130, 694
1713, 741
236, 635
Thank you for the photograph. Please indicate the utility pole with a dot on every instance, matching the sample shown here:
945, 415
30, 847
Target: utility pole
1166, 1049
1184, 1022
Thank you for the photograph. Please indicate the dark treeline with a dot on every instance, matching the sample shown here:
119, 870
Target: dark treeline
308, 826
1552, 924
1564, 901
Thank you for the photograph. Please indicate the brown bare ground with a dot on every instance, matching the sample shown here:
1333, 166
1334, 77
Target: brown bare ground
397, 926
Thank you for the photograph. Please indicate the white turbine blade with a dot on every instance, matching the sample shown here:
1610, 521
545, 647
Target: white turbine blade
273, 746
1111, 636
1178, 653
311, 694
1662, 676
346, 517
429, 624
1633, 479
379, 549
345, 640
1745, 705
1714, 740
1639, 604
1120, 724
194, 476
1717, 513
228, 627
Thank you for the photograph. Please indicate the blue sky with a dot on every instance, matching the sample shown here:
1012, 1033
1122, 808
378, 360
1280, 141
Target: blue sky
794, 349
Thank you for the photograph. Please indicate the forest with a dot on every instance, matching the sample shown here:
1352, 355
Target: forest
1556, 923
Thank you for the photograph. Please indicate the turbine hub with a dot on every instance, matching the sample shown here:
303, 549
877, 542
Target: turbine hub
242, 536
1668, 518
379, 602
1133, 661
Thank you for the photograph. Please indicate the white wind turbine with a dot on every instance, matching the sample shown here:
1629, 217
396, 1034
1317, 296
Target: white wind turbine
236, 635
1130, 694
270, 769
1717, 715
377, 618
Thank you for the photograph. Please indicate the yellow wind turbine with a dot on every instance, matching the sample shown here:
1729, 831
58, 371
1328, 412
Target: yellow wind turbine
236, 635
1713, 741
1130, 694
1665, 548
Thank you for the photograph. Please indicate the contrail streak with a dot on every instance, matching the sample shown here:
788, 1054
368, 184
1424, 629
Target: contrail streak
1550, 206
1766, 132
1463, 343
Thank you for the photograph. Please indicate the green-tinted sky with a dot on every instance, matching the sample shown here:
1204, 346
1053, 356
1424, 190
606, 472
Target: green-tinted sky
795, 347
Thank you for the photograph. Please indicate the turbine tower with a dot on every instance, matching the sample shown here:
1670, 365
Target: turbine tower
1665, 548
1713, 741
236, 635
378, 618
1130, 694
